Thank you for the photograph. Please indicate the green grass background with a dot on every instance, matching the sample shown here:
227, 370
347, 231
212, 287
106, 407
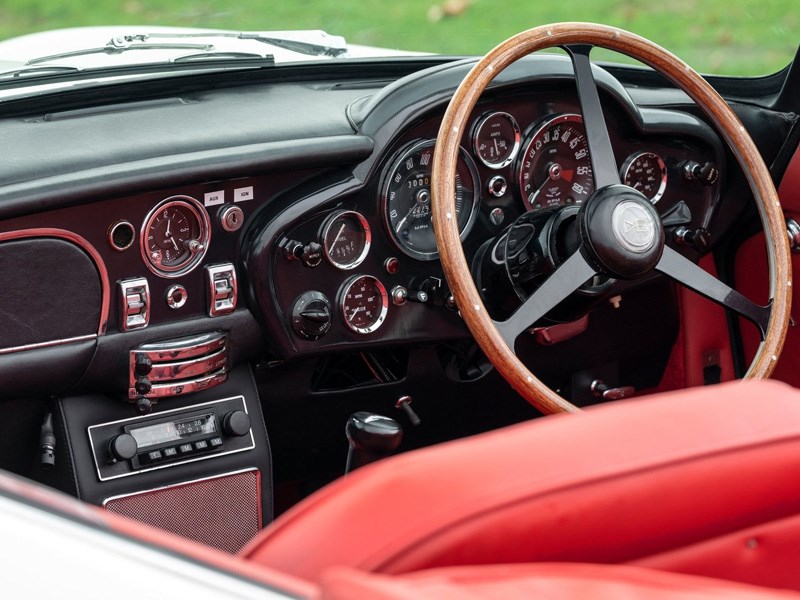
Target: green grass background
720, 36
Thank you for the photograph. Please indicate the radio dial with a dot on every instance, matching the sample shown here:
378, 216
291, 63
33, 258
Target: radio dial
236, 423
123, 447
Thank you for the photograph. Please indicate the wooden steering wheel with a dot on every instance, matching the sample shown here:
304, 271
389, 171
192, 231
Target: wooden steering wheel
605, 245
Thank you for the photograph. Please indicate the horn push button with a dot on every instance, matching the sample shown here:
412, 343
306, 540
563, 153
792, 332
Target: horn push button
622, 232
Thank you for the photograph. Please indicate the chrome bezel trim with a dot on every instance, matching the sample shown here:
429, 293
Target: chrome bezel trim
94, 255
387, 177
195, 256
171, 301
211, 272
174, 485
384, 304
661, 165
514, 149
181, 348
326, 226
182, 387
161, 414
113, 228
124, 287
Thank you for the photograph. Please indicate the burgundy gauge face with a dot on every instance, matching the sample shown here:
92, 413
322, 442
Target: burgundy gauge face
496, 139
646, 172
364, 303
175, 236
555, 168
407, 199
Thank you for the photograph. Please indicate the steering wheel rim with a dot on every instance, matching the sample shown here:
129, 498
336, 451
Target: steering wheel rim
582, 37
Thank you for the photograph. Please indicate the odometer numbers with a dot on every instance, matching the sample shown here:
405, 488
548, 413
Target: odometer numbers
407, 199
364, 303
555, 168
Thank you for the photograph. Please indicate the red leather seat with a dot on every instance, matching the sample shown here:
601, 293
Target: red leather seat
703, 481
553, 581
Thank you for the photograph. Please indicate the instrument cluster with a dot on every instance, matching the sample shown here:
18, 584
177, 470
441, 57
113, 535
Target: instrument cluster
377, 251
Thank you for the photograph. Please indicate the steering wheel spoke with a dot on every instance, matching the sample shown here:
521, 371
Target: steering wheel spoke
572, 274
687, 273
604, 165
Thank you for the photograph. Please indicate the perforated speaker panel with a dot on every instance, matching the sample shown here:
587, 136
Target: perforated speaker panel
222, 512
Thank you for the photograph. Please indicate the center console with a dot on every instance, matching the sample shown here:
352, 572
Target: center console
197, 465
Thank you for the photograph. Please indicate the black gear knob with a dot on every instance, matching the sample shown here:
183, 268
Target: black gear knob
371, 437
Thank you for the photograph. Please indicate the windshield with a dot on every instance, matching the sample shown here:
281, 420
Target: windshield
726, 37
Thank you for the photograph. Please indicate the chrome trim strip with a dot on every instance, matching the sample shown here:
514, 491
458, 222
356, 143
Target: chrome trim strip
174, 485
69, 236
48, 344
182, 348
162, 413
193, 367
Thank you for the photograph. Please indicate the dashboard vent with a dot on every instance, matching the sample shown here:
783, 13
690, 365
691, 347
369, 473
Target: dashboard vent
179, 366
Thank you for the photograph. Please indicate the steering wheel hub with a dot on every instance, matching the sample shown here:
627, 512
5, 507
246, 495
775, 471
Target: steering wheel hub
621, 232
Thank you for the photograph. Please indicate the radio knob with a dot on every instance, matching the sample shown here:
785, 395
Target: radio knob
236, 423
123, 447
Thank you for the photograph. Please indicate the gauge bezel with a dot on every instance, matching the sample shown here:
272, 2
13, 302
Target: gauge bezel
531, 135
326, 226
661, 165
196, 256
384, 304
476, 134
398, 159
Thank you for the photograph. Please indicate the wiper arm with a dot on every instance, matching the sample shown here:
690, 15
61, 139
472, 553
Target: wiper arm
118, 45
312, 43
244, 56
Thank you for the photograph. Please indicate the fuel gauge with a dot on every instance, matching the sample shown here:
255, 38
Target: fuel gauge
346, 239
646, 172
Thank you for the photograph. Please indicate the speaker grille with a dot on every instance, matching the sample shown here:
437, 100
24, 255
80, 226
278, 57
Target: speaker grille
222, 512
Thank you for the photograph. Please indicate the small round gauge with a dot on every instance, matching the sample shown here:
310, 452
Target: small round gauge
496, 139
407, 199
364, 303
346, 238
646, 172
175, 236
555, 168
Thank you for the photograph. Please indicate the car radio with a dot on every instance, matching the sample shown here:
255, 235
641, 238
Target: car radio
172, 437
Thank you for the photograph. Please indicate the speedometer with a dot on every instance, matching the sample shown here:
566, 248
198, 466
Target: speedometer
555, 168
407, 198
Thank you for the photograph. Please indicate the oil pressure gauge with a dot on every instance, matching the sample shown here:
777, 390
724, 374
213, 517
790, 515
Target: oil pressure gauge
646, 172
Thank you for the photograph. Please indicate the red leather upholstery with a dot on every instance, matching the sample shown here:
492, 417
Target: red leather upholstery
553, 581
620, 483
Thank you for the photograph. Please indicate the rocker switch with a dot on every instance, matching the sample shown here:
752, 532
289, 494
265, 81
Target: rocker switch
222, 289
135, 300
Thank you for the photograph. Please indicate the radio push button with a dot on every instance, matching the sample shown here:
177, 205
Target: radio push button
170, 452
201, 445
185, 448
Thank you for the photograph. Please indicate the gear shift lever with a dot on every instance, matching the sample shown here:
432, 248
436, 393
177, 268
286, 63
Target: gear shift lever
371, 437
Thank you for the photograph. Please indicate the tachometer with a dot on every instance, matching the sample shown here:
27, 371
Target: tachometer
407, 199
175, 236
555, 168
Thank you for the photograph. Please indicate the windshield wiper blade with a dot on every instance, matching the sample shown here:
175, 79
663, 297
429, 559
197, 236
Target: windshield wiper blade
243, 56
118, 45
37, 71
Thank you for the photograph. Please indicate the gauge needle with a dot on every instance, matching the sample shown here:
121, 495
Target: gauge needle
169, 222
172, 239
336, 239
496, 149
355, 312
